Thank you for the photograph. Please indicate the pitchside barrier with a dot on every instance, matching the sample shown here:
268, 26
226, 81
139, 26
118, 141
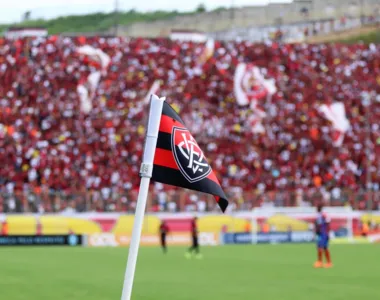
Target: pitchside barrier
173, 239
263, 225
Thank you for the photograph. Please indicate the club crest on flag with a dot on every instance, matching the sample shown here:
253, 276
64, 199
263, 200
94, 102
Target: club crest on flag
188, 156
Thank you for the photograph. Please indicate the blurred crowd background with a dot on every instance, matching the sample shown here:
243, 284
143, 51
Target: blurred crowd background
55, 157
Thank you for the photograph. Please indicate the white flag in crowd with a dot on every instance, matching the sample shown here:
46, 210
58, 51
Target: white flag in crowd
255, 120
336, 114
152, 91
85, 100
93, 80
87, 90
208, 51
141, 105
95, 54
250, 87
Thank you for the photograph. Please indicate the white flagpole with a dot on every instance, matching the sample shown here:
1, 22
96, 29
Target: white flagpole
145, 173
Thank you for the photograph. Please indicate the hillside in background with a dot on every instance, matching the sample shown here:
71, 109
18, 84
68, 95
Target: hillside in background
100, 22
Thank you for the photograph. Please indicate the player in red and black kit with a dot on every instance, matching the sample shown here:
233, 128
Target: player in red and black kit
194, 249
164, 229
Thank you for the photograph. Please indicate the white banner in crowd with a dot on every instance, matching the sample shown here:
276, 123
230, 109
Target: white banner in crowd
250, 86
141, 105
207, 52
255, 120
87, 90
95, 54
336, 114
93, 80
85, 100
152, 91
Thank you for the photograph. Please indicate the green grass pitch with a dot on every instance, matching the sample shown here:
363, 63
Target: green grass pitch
265, 272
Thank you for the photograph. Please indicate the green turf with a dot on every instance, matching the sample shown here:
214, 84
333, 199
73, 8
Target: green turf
282, 272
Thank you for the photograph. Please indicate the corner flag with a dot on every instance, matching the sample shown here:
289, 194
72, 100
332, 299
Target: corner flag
179, 161
171, 156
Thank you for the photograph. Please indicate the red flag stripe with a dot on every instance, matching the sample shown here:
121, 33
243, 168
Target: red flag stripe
165, 158
167, 123
213, 177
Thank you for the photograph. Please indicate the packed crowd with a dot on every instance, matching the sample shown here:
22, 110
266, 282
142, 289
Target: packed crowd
48, 146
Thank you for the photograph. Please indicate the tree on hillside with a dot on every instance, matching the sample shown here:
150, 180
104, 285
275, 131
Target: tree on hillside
220, 8
201, 8
26, 16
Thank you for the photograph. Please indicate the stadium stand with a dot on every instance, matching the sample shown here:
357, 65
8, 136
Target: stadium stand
54, 157
256, 22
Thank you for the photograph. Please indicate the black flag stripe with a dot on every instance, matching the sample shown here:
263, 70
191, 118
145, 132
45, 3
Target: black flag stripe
164, 140
174, 177
167, 110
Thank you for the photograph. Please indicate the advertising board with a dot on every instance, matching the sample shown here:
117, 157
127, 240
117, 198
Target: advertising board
268, 238
39, 240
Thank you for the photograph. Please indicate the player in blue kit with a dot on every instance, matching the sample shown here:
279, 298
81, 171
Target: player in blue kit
322, 230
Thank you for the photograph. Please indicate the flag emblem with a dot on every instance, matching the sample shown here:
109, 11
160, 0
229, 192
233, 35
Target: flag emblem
189, 157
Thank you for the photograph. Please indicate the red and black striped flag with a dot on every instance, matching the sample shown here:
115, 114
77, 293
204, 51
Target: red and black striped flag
179, 161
